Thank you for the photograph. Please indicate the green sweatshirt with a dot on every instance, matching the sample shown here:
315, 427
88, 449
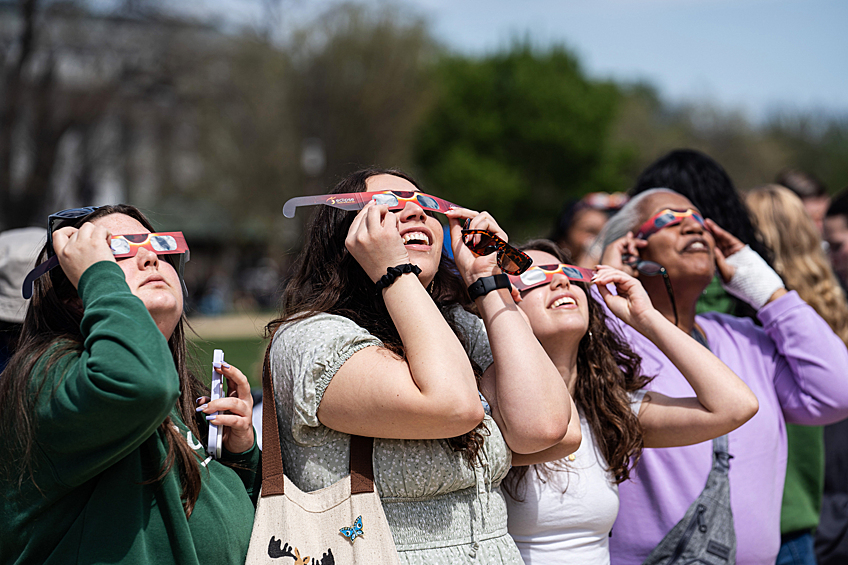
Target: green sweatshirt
802, 493
97, 443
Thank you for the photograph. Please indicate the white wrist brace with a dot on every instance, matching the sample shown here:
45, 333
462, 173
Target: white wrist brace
754, 281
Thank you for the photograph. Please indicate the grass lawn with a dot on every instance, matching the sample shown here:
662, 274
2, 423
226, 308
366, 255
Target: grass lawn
245, 353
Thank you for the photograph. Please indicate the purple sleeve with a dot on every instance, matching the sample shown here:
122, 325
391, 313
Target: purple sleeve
811, 374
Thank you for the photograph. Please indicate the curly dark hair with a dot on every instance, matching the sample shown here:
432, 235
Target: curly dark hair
53, 318
608, 370
327, 278
706, 184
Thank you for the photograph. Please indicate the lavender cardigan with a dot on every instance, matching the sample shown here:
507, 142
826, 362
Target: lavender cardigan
797, 367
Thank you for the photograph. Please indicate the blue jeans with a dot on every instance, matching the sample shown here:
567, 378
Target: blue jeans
797, 551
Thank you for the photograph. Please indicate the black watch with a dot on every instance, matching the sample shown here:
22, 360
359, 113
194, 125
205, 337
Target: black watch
485, 285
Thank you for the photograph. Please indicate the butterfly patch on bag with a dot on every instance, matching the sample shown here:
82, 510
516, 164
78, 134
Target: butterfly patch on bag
354, 531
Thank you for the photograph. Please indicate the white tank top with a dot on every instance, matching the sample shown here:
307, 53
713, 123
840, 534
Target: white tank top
555, 527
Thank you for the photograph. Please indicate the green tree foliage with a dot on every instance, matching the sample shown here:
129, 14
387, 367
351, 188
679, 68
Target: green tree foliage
517, 133
647, 127
817, 143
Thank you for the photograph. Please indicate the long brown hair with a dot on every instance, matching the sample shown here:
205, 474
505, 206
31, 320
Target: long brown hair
327, 278
53, 317
607, 371
788, 230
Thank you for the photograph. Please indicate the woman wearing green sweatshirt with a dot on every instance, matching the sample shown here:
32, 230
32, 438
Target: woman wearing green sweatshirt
103, 447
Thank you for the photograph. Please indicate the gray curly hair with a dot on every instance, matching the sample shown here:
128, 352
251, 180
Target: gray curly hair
625, 220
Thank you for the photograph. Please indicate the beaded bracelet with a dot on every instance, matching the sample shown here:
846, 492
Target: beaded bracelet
394, 272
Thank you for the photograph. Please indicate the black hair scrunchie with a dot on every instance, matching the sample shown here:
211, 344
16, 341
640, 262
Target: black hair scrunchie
394, 272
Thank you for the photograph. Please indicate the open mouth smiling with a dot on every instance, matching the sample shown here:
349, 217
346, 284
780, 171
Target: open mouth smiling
563, 301
698, 245
416, 238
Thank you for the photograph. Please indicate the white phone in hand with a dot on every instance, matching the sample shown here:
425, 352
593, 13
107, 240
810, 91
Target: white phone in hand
216, 434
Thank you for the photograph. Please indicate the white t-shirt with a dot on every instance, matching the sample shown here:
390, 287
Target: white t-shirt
568, 518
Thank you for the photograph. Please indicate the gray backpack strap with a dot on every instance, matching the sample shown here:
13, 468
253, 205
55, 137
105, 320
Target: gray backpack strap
705, 534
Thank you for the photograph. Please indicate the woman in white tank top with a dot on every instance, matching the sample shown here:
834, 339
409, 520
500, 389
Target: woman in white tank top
562, 512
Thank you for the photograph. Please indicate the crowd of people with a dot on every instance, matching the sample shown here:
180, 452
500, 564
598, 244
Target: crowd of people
662, 381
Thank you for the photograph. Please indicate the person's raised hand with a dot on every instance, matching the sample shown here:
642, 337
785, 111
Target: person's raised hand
631, 303
627, 245
235, 411
471, 266
726, 244
79, 248
374, 241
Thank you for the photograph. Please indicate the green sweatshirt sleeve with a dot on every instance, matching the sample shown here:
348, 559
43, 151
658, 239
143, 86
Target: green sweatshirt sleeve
101, 403
248, 466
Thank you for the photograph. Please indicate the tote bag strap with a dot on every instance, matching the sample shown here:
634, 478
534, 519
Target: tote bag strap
361, 467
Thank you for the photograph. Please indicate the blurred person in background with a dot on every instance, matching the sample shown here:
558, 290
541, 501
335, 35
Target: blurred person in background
794, 364
562, 512
18, 250
451, 400
836, 235
709, 188
787, 229
810, 190
580, 222
832, 534
104, 457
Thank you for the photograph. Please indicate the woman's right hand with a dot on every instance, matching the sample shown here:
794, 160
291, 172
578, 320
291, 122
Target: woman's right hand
614, 252
631, 303
470, 265
374, 240
79, 248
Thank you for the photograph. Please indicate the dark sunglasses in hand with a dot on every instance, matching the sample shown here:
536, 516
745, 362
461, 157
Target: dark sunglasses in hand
510, 260
652, 269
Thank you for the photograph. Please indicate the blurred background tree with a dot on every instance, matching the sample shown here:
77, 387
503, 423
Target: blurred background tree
517, 132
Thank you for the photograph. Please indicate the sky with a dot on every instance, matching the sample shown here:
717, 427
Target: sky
751, 56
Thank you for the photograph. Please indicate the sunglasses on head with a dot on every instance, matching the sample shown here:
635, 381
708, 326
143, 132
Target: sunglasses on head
510, 260
394, 199
652, 269
539, 275
63, 218
168, 244
666, 218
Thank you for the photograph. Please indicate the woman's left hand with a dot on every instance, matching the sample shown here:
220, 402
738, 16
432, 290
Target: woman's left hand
235, 411
631, 303
726, 244
470, 266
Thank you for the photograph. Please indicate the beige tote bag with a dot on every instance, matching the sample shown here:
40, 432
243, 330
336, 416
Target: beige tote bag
342, 524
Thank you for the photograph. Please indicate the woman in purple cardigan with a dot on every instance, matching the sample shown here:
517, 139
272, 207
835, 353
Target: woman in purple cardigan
790, 363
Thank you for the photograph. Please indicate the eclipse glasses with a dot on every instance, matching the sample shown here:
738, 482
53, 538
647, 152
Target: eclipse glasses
394, 199
604, 201
127, 245
666, 218
480, 242
164, 243
539, 275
